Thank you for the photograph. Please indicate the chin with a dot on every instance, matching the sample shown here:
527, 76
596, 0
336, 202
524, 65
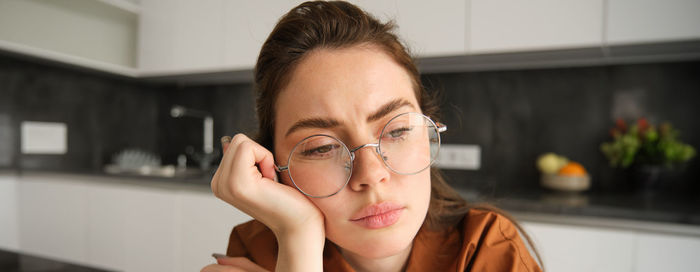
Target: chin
382, 249
375, 243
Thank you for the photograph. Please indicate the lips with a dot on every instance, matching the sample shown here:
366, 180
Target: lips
379, 215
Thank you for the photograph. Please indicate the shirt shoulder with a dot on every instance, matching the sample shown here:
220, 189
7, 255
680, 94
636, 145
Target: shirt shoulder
254, 241
492, 242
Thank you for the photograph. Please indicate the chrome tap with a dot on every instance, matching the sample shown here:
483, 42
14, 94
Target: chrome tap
209, 155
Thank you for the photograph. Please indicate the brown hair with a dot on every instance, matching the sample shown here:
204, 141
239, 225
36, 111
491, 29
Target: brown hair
334, 25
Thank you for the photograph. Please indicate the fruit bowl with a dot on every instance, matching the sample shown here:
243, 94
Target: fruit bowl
565, 183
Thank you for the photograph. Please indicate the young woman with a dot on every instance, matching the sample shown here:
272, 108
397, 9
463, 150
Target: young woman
339, 177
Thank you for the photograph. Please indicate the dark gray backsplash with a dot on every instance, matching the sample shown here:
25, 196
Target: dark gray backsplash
513, 115
232, 107
103, 113
517, 115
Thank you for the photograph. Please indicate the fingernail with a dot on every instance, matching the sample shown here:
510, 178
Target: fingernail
218, 255
225, 140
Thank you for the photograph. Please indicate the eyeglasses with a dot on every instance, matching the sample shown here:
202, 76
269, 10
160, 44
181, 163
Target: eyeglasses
321, 165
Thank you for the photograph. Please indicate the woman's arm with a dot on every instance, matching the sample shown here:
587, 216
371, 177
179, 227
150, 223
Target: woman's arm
300, 251
246, 179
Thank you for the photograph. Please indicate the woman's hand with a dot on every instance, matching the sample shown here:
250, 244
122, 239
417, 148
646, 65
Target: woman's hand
246, 179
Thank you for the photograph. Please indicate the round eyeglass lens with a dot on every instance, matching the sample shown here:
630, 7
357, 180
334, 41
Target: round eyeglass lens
409, 143
320, 166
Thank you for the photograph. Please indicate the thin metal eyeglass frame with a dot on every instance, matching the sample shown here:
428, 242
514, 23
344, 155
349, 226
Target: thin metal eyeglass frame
439, 127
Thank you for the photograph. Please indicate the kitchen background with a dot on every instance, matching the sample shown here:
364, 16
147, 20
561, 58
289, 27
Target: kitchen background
514, 116
516, 79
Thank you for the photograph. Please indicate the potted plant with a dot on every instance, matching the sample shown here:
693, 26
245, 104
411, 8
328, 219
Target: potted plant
647, 151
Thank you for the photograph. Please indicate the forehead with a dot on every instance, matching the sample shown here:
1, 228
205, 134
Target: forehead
342, 83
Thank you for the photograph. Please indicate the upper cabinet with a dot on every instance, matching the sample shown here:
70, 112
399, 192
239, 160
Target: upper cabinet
246, 27
95, 34
184, 36
509, 26
180, 35
428, 28
642, 21
169, 38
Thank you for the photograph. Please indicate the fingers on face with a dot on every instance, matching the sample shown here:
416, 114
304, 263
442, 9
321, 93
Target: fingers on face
225, 141
262, 157
229, 145
241, 153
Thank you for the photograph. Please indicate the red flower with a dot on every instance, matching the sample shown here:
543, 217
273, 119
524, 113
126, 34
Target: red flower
643, 124
620, 125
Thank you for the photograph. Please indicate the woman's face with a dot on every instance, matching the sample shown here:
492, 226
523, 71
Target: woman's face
344, 87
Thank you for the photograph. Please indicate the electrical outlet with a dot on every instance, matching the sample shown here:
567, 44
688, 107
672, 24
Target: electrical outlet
462, 157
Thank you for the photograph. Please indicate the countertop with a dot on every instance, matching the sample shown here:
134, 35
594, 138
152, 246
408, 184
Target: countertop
657, 212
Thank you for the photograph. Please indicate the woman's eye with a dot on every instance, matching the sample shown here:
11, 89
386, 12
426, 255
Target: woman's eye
399, 132
320, 151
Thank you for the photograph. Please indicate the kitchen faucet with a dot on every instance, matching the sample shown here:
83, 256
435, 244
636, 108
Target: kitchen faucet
208, 156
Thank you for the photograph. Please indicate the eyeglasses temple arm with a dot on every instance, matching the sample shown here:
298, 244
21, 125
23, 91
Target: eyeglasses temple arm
441, 127
281, 168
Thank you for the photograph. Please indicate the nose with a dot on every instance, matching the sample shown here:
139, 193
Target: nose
368, 169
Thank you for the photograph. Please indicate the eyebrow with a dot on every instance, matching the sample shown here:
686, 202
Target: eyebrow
330, 122
313, 123
388, 108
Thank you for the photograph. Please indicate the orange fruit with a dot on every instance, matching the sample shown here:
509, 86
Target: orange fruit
572, 169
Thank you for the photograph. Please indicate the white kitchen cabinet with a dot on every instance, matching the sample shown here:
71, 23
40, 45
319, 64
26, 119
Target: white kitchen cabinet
106, 234
94, 34
246, 26
639, 21
116, 224
184, 36
177, 36
585, 248
53, 219
663, 252
9, 225
510, 26
205, 226
429, 28
572, 248
152, 230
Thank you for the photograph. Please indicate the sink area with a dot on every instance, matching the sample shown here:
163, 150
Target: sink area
167, 171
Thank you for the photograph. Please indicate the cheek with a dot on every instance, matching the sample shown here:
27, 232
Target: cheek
420, 190
331, 207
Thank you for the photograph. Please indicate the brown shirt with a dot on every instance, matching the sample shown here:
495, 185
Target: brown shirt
483, 241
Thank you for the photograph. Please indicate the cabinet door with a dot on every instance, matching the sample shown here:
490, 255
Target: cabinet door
206, 223
181, 36
106, 225
571, 248
503, 26
429, 28
661, 252
634, 21
152, 240
52, 219
9, 225
246, 26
